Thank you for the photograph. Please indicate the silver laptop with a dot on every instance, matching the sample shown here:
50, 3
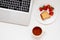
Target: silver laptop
15, 11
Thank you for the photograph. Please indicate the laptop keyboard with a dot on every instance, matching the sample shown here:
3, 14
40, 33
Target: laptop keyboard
20, 5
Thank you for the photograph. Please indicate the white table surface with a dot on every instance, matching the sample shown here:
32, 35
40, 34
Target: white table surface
18, 32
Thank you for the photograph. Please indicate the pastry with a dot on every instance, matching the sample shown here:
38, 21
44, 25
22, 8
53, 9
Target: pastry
45, 15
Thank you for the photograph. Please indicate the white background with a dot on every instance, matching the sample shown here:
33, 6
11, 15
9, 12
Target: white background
18, 32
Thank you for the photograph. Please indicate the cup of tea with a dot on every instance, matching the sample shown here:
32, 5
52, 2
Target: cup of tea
37, 31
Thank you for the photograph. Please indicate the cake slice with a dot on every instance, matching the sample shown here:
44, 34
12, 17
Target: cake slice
45, 15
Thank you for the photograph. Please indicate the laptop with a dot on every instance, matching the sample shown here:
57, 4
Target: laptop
15, 11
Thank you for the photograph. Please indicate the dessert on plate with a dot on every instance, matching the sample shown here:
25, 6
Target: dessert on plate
45, 15
46, 12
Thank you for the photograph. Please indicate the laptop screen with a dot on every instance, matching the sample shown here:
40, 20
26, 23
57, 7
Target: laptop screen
20, 5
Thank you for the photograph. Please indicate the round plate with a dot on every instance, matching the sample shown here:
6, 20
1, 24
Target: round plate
37, 12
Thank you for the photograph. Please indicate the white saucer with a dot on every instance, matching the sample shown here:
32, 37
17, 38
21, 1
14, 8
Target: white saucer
37, 12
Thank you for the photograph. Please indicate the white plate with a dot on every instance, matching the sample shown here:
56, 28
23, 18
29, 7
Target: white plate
37, 12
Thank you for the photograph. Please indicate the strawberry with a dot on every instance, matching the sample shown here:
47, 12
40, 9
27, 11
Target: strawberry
48, 6
51, 9
40, 8
51, 13
45, 7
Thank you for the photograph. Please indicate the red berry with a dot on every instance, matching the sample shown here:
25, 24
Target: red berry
48, 6
50, 9
51, 13
40, 8
45, 7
